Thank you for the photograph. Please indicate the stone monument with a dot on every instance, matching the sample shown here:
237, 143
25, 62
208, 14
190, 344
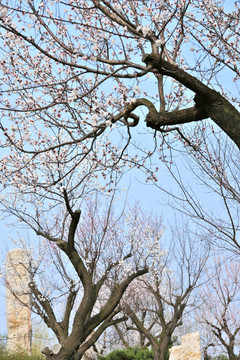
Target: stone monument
188, 350
18, 299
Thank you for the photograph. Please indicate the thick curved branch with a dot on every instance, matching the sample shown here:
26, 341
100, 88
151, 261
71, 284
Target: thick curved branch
166, 68
157, 120
215, 106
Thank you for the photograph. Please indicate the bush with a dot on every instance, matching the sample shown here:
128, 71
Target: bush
218, 357
129, 354
4, 355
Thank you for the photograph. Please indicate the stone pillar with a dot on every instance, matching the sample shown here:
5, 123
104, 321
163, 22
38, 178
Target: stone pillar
188, 350
18, 300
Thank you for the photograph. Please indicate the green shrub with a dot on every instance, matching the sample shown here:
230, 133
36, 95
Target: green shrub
129, 354
4, 355
218, 357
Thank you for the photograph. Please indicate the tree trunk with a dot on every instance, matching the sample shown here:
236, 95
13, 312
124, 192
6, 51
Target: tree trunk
161, 352
60, 356
64, 354
156, 353
164, 347
231, 354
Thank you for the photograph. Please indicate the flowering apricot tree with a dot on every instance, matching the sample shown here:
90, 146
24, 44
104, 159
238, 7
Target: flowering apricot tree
78, 279
159, 302
220, 301
72, 71
76, 77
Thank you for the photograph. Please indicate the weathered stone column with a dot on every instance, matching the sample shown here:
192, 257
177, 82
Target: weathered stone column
188, 350
18, 300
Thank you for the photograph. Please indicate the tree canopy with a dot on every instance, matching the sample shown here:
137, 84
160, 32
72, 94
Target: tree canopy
75, 75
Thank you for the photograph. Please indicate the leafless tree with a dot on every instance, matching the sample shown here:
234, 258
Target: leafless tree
219, 310
79, 278
158, 302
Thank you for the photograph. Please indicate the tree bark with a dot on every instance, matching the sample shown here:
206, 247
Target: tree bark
160, 352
